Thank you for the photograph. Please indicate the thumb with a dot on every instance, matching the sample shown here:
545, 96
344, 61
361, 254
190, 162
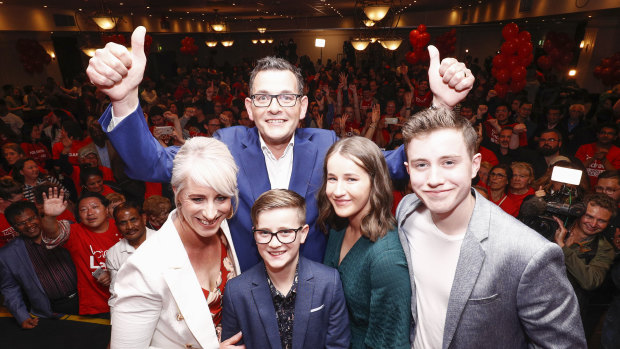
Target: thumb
137, 43
433, 68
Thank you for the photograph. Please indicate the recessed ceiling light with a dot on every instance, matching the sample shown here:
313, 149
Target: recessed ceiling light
44, 5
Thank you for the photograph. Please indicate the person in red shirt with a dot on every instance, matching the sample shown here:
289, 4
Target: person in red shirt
601, 155
499, 177
522, 178
71, 141
87, 242
33, 147
91, 179
493, 126
10, 192
423, 97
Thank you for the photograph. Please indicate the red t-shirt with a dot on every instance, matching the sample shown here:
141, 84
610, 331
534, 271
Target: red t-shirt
88, 251
7, 233
73, 152
37, 152
586, 151
518, 198
488, 156
507, 204
422, 100
108, 175
494, 135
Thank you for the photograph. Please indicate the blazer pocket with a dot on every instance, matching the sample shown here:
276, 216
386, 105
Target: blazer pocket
483, 300
317, 308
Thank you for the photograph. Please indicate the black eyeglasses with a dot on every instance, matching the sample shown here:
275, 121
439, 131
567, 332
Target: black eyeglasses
285, 236
284, 99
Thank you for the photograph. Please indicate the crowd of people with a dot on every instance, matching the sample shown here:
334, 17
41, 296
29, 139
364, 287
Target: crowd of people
237, 192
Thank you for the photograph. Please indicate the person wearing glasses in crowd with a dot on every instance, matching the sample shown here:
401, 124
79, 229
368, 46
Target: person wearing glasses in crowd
274, 154
286, 300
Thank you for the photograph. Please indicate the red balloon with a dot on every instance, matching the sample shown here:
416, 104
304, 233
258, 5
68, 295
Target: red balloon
413, 36
503, 75
423, 56
513, 63
501, 90
411, 57
606, 73
555, 55
509, 47
518, 73
544, 62
425, 38
452, 32
598, 71
525, 36
525, 48
606, 62
422, 28
517, 85
510, 31
500, 61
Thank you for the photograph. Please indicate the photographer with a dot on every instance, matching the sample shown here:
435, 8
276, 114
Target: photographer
587, 255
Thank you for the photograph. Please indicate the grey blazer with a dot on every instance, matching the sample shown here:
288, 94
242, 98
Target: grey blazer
510, 288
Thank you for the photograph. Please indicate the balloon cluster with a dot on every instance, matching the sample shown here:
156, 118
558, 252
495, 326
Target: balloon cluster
419, 39
559, 52
188, 46
509, 65
32, 55
609, 70
116, 38
148, 40
445, 43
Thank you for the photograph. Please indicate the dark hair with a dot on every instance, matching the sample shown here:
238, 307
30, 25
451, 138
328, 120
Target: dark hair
368, 156
9, 188
610, 174
155, 110
603, 201
274, 63
86, 172
552, 130
278, 198
43, 188
73, 129
17, 208
18, 167
126, 206
506, 169
611, 125
89, 194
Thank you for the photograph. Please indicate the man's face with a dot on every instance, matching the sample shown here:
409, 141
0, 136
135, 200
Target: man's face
190, 111
575, 113
131, 224
349, 111
90, 160
441, 169
549, 144
554, 116
92, 212
214, 125
390, 108
280, 257
217, 108
504, 138
373, 86
276, 124
525, 110
606, 135
423, 86
609, 187
594, 220
501, 114
467, 112
515, 105
28, 224
158, 120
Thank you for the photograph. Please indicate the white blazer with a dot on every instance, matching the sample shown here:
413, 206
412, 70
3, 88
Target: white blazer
158, 301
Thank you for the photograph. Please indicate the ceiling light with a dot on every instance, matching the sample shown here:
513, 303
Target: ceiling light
360, 44
227, 43
270, 41
369, 22
261, 30
262, 41
376, 12
105, 22
572, 72
391, 43
210, 43
254, 41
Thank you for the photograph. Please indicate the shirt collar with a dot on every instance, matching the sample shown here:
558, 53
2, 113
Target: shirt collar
274, 290
268, 152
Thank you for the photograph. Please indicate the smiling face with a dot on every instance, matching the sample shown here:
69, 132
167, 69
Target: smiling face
131, 224
501, 114
30, 170
202, 209
93, 213
594, 220
347, 187
281, 257
441, 169
11, 156
94, 183
504, 138
28, 224
276, 124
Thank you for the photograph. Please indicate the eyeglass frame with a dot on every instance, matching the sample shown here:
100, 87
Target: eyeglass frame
253, 98
276, 235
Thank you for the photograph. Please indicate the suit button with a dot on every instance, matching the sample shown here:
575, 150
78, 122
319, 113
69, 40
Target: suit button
179, 317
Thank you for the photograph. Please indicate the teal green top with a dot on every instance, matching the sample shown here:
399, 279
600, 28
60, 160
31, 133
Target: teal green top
376, 286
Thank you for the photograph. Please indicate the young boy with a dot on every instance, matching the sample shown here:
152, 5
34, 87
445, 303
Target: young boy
286, 301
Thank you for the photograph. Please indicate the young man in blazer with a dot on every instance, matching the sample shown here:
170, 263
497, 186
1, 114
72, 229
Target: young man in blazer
479, 277
286, 301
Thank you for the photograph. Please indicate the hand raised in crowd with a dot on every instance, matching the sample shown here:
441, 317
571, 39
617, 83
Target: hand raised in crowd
117, 72
230, 342
540, 192
408, 97
519, 129
376, 113
319, 121
491, 94
450, 80
343, 123
54, 202
495, 124
67, 142
560, 233
343, 80
168, 115
30, 323
104, 279
482, 111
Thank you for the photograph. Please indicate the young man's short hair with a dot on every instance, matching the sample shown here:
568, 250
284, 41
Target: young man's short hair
610, 174
17, 208
603, 201
279, 198
430, 120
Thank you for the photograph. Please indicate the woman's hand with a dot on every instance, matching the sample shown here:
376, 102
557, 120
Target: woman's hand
230, 342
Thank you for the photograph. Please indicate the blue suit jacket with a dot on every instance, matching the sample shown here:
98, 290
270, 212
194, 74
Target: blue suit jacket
147, 160
18, 278
321, 317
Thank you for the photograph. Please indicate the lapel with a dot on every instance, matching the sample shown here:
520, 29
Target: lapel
404, 241
264, 306
184, 286
303, 303
304, 161
468, 267
21, 255
253, 164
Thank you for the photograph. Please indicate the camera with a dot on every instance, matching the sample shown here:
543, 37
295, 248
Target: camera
564, 203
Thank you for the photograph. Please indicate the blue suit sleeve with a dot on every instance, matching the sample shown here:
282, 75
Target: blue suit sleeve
230, 324
395, 160
338, 331
145, 159
11, 291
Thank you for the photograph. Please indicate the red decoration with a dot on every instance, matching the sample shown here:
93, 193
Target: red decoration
609, 70
560, 50
419, 39
115, 38
422, 28
148, 40
445, 43
509, 65
32, 55
188, 46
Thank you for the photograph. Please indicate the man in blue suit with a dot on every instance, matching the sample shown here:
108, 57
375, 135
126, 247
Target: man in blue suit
286, 301
274, 154
46, 277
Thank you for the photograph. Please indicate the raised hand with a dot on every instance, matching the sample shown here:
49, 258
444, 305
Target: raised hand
450, 80
117, 72
376, 113
54, 202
